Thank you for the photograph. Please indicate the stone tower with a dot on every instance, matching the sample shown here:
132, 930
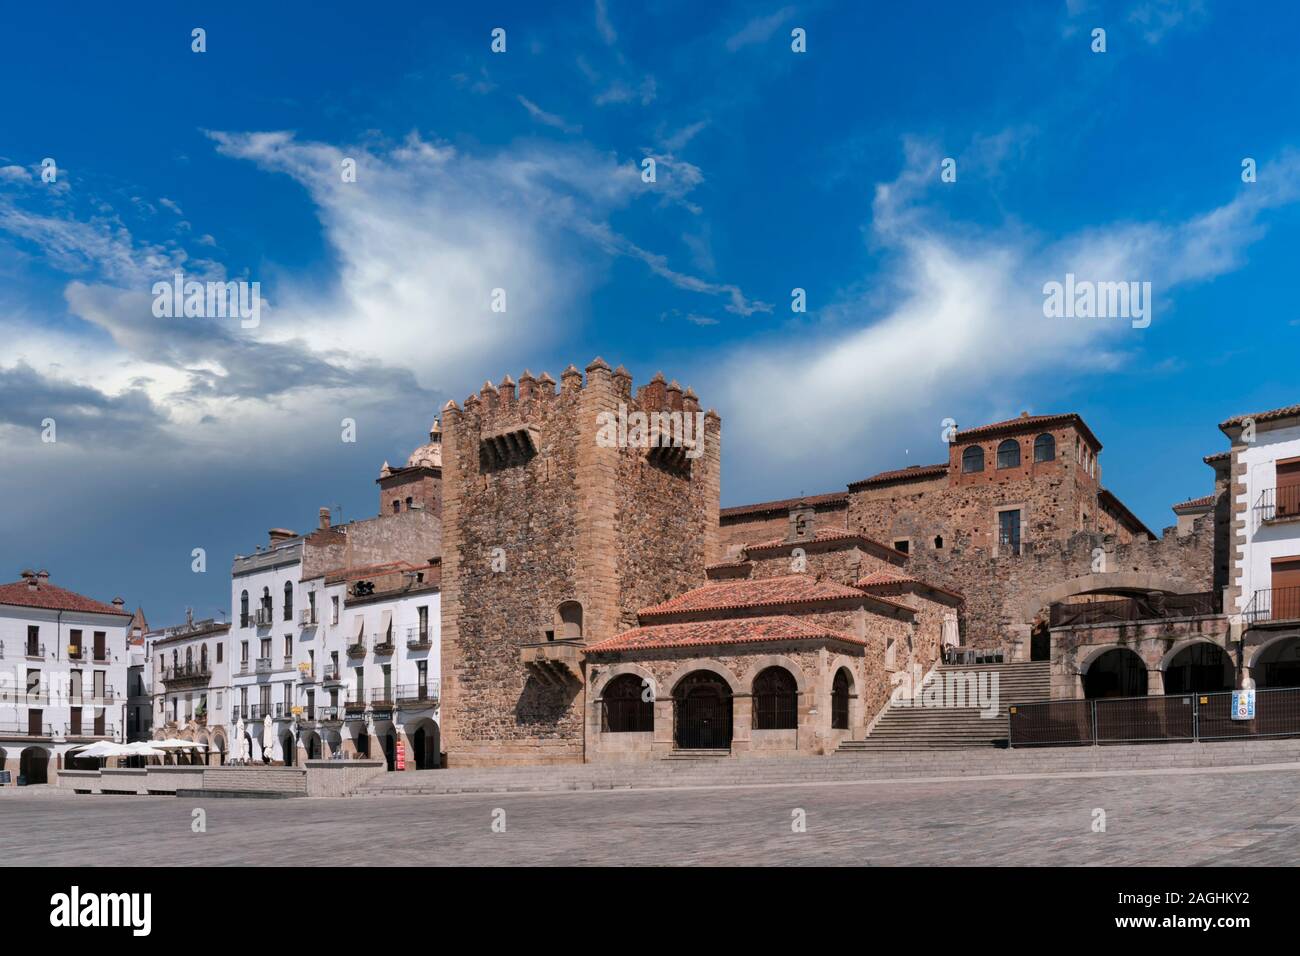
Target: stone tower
564, 512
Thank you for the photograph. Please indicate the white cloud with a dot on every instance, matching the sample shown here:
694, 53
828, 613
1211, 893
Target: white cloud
758, 30
545, 118
955, 326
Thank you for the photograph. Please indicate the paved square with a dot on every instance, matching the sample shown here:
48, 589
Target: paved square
1177, 819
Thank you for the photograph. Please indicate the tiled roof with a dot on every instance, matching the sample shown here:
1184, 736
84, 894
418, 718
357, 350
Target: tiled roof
749, 593
753, 630
785, 504
891, 578
1192, 503
1289, 411
54, 598
1218, 456
823, 537
1107, 497
910, 473
1029, 421
371, 570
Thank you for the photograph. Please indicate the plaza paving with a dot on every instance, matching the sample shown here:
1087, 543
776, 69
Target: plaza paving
1184, 817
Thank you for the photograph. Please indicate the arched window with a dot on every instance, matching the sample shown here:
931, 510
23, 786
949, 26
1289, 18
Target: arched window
266, 603
1009, 454
972, 459
203, 657
626, 709
1044, 448
570, 621
243, 609
840, 700
288, 600
397, 505
189, 657
776, 700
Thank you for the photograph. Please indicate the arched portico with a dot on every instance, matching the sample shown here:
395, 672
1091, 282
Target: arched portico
702, 710
1114, 671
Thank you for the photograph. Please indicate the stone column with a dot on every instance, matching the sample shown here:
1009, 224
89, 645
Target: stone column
1155, 682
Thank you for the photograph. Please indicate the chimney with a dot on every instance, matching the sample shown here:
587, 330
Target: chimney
279, 534
43, 576
189, 617
30, 577
118, 603
324, 519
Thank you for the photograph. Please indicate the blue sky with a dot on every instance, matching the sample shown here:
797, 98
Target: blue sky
521, 170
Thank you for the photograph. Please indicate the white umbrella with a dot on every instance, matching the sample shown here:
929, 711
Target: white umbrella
102, 748
142, 749
175, 743
268, 739
239, 741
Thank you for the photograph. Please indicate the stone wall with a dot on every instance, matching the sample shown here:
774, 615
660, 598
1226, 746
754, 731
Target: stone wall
414, 536
538, 512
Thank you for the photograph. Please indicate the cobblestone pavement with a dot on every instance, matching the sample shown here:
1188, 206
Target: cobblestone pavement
1203, 817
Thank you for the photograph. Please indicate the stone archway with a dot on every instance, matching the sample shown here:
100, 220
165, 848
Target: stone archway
1114, 672
702, 711
1102, 582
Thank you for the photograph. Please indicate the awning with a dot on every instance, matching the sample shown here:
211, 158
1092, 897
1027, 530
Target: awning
386, 626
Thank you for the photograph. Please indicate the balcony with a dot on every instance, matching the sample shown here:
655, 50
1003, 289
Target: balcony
332, 674
1278, 506
418, 639
106, 731
555, 663
101, 656
1274, 605
283, 711
329, 715
35, 652
249, 713
263, 665
358, 649
307, 617
307, 672
419, 695
382, 698
265, 617
383, 647
355, 703
75, 652
186, 675
26, 729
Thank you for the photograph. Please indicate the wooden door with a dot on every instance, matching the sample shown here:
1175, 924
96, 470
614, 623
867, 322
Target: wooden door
1286, 588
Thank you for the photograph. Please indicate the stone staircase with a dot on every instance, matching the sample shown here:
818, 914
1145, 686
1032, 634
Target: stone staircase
905, 728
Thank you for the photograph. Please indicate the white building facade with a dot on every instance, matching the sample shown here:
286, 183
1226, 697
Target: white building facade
1264, 574
190, 674
63, 675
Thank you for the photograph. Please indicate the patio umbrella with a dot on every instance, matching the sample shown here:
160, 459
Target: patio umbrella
239, 741
268, 739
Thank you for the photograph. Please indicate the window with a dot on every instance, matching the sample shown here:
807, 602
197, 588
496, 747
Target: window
776, 700
288, 600
219, 647
189, 658
33, 641
243, 651
266, 648
1009, 530
1044, 448
938, 542
902, 544
1009, 454
397, 506
624, 709
288, 646
311, 605
288, 696
972, 460
334, 609
203, 657
218, 700
840, 700
408, 503
243, 609
570, 615
424, 622
266, 602
75, 642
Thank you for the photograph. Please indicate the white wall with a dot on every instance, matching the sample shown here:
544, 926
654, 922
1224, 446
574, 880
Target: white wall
1264, 543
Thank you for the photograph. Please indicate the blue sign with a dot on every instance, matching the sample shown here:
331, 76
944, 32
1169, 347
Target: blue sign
1243, 705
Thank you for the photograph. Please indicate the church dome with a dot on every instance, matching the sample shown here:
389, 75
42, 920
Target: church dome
430, 455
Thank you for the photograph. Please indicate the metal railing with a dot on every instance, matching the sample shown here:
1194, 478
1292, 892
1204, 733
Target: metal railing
357, 648
35, 651
382, 645
25, 730
1276, 504
380, 697
1159, 718
263, 665
1148, 607
1274, 604
332, 673
187, 671
417, 637
251, 712
307, 616
355, 700
428, 691
265, 617
328, 713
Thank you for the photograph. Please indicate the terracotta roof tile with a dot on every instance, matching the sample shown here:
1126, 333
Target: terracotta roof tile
890, 578
752, 630
1217, 456
785, 504
822, 537
54, 598
1288, 411
1029, 421
750, 593
910, 473
1192, 503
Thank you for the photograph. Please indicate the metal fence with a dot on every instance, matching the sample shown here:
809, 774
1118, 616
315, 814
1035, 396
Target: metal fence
1121, 610
1169, 718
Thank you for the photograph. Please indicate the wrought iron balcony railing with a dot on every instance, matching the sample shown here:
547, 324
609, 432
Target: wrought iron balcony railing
1278, 504
1274, 604
429, 692
417, 638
